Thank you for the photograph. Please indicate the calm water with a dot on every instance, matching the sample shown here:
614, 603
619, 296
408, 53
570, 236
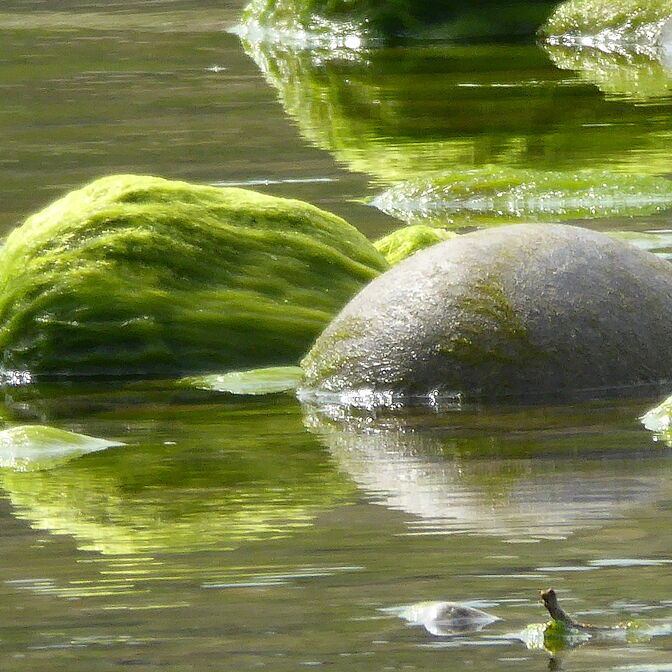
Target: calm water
245, 533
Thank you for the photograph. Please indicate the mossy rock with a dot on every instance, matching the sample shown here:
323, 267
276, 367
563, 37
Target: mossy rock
513, 311
610, 24
143, 276
381, 20
404, 242
498, 194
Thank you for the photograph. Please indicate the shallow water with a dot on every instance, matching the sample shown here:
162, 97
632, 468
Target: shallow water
236, 533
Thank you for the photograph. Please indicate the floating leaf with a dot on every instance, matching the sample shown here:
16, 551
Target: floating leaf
38, 447
253, 381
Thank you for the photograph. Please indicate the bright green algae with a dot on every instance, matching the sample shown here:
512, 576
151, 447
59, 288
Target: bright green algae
404, 242
139, 275
497, 194
625, 20
385, 19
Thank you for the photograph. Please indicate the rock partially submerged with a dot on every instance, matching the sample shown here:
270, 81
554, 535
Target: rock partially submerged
513, 311
135, 275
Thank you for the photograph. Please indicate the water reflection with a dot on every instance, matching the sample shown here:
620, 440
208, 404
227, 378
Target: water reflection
526, 474
637, 77
192, 477
400, 113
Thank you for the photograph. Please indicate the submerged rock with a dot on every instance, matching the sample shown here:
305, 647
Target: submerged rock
402, 243
348, 22
512, 311
138, 275
499, 194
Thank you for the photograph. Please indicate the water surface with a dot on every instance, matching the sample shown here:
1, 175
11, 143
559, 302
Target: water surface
240, 533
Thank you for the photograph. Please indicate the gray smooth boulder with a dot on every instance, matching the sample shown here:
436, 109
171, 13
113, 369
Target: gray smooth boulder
518, 310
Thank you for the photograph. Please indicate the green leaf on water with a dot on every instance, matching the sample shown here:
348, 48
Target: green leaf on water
268, 380
38, 447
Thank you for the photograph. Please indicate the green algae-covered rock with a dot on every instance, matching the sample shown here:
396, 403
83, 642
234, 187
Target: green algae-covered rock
143, 276
402, 243
498, 194
610, 24
518, 310
337, 20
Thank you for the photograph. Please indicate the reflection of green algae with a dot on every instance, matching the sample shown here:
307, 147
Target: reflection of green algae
397, 114
498, 194
402, 243
636, 76
218, 476
138, 275
385, 19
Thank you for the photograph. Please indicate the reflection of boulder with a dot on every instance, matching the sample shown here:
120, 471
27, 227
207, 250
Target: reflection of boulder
637, 76
396, 114
192, 477
521, 473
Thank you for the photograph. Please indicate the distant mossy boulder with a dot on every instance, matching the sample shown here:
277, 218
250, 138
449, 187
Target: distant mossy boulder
404, 242
500, 194
135, 275
514, 311
333, 21
609, 25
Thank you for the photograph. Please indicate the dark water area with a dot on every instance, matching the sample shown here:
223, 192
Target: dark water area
242, 533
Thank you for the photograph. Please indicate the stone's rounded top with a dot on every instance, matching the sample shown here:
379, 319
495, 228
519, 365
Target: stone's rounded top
516, 311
